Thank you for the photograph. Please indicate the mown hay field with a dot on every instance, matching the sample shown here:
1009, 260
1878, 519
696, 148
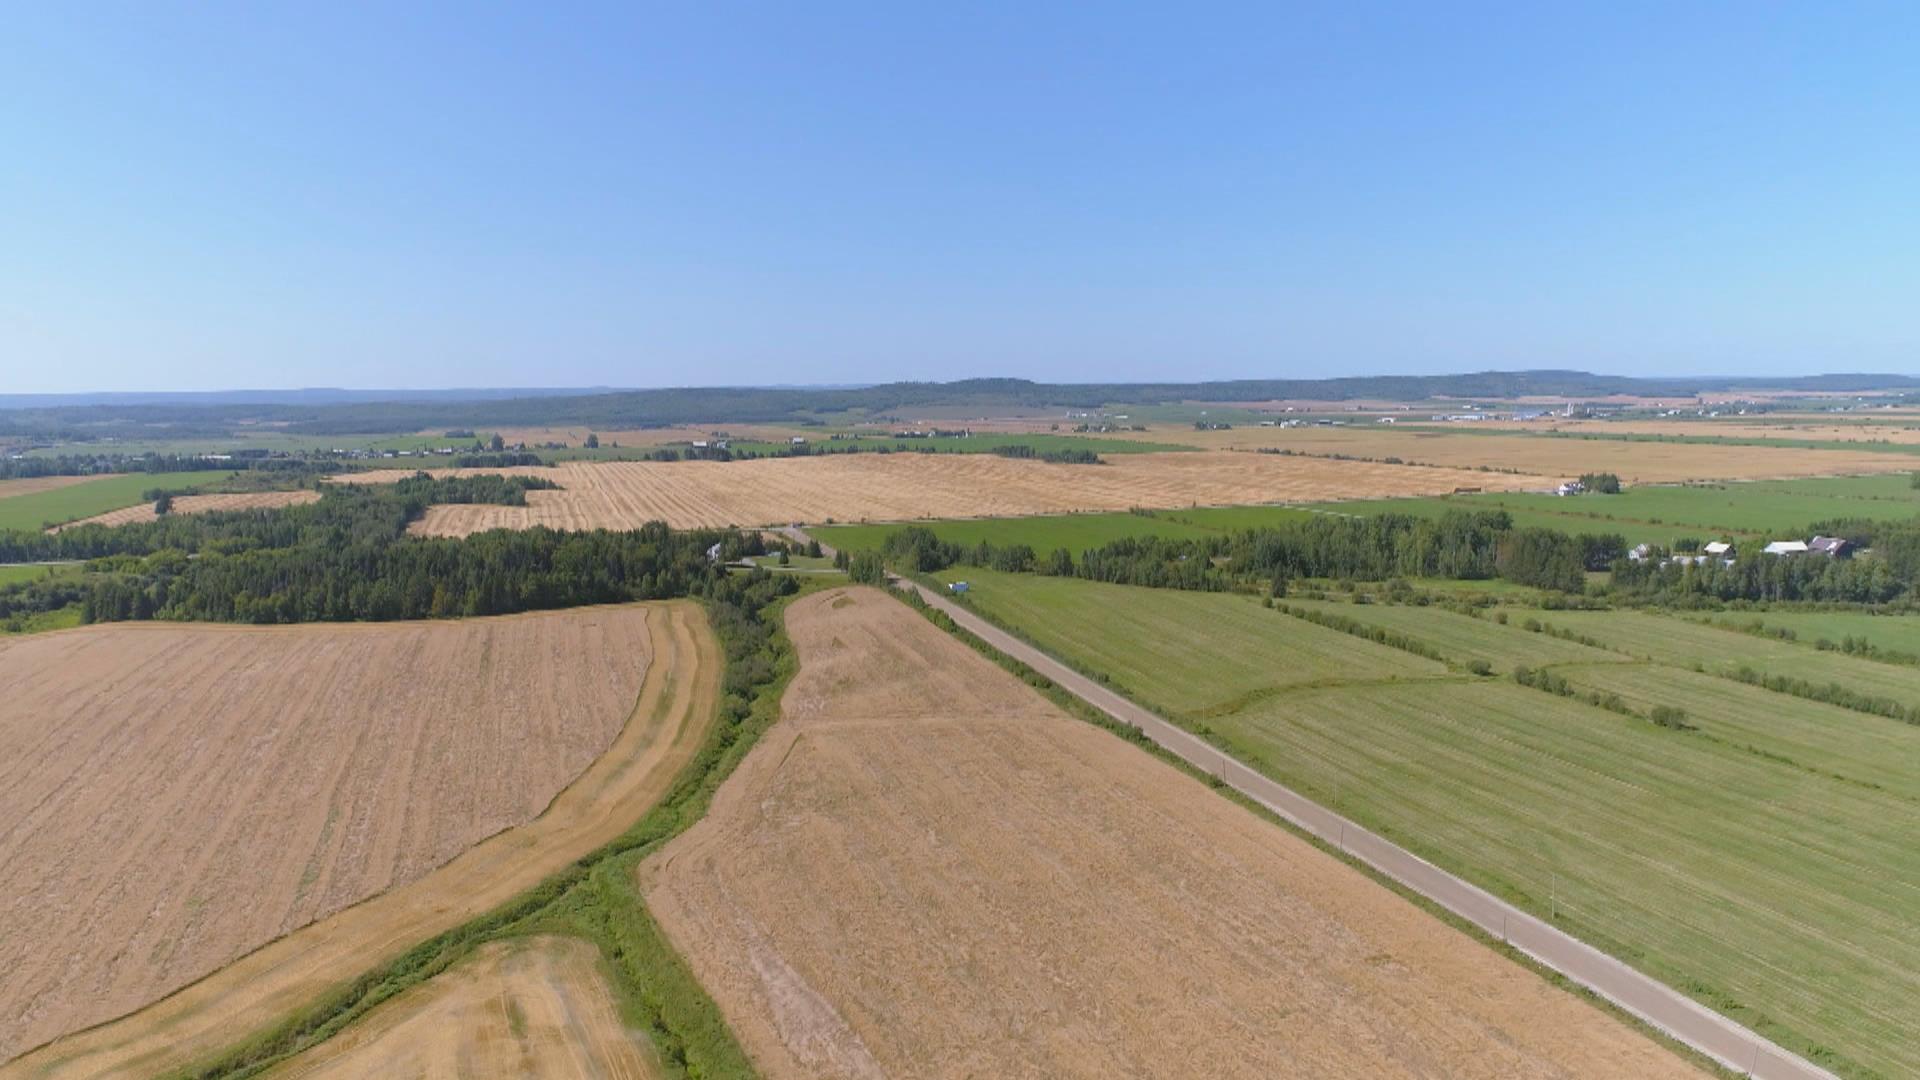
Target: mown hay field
536, 1006
1634, 462
1685, 642
1892, 633
925, 869
200, 504
1761, 861
181, 795
906, 487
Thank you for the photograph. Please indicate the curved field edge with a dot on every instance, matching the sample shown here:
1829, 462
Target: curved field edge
1082, 710
594, 898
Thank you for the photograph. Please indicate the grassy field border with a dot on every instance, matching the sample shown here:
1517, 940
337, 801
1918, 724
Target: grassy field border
1076, 707
594, 899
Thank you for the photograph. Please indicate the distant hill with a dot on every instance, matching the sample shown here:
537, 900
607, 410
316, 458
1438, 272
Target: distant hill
353, 411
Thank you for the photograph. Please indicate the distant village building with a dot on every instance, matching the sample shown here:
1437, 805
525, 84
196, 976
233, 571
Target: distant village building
1571, 487
1786, 547
1720, 548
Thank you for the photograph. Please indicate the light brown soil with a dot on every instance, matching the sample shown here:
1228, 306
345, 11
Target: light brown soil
200, 504
28, 485
1634, 462
900, 487
525, 1007
175, 796
924, 869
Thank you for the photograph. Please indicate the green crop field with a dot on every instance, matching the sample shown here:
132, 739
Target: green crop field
1194, 654
1684, 642
1661, 514
1895, 633
11, 573
59, 505
1761, 862
1464, 638
1075, 532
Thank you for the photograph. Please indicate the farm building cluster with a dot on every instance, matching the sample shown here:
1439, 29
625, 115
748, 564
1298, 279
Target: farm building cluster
1723, 551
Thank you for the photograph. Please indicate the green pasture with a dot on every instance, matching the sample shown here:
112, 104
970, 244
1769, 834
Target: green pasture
1464, 638
1894, 633
1075, 532
1661, 514
13, 573
1189, 653
1761, 862
60, 505
1685, 642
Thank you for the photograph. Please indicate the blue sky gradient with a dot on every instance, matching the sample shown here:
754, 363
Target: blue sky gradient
198, 196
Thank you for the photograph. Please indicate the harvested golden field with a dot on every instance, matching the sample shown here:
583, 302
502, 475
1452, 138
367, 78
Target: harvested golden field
925, 869
1634, 462
524, 1007
28, 485
178, 796
200, 504
660, 436
902, 487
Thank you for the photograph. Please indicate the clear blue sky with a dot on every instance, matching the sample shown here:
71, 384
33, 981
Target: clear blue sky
196, 196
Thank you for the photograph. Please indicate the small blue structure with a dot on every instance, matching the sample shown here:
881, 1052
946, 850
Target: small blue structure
958, 587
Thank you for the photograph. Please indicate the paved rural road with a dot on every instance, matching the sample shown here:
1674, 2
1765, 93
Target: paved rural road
1682, 1018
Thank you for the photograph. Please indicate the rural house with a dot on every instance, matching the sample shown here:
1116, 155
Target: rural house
1833, 547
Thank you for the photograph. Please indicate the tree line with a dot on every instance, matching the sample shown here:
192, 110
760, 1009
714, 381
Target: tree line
1459, 544
348, 557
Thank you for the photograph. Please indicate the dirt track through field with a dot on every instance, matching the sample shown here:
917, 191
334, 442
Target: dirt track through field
523, 1007
925, 869
901, 487
194, 828
199, 504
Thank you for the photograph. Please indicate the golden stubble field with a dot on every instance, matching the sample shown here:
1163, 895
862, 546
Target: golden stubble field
172, 798
1634, 462
28, 485
904, 487
925, 869
530, 1007
200, 504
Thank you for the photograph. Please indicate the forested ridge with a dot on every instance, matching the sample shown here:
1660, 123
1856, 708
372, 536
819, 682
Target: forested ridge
643, 408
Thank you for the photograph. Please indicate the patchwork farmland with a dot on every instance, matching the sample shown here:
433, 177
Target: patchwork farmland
201, 504
924, 858
354, 762
1756, 857
897, 487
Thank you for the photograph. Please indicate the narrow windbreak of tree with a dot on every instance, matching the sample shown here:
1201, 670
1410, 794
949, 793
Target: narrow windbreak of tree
15, 468
1058, 457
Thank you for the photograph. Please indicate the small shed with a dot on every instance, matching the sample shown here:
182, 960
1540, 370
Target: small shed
1719, 547
958, 587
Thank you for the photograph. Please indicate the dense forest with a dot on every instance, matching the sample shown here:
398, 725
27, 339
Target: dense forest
349, 557
1459, 544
